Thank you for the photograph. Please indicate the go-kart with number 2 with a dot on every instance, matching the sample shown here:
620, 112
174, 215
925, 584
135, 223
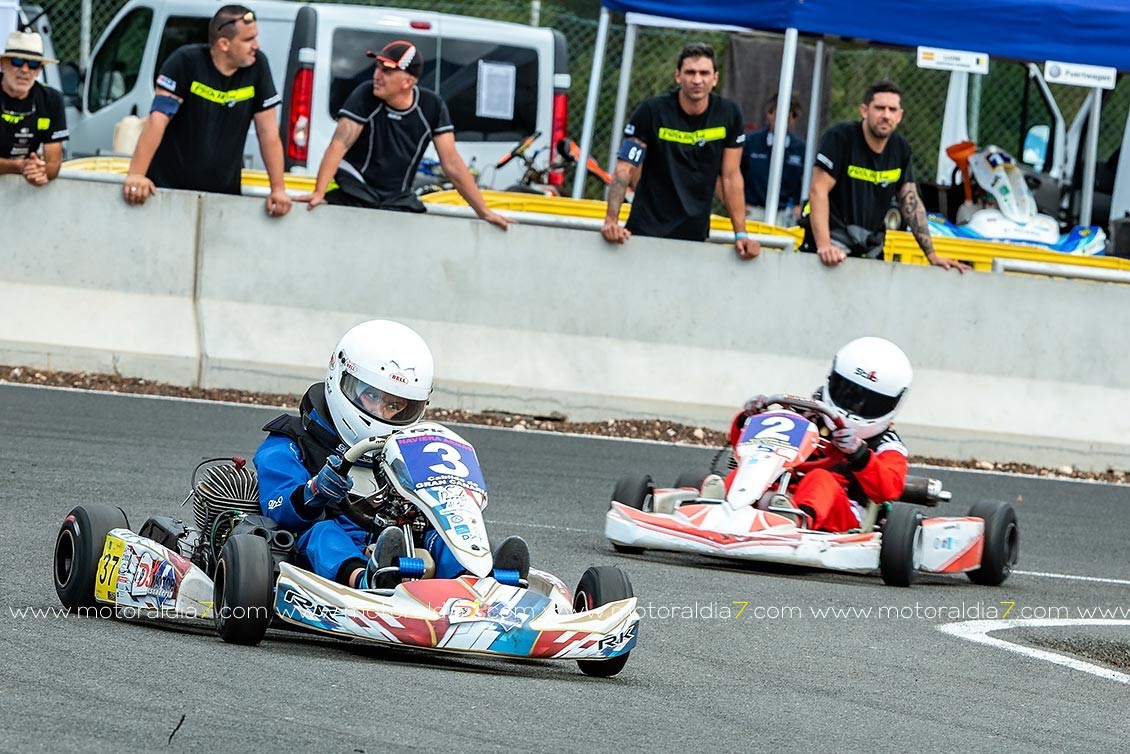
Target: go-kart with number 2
756, 520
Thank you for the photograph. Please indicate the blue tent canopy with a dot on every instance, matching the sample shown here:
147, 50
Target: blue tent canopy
1092, 32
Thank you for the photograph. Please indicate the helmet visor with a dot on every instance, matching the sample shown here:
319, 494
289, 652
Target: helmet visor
859, 400
382, 405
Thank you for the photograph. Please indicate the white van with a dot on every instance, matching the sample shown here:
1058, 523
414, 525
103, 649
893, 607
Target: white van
501, 81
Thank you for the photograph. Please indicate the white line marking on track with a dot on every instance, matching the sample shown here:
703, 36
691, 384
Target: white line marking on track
978, 631
1095, 579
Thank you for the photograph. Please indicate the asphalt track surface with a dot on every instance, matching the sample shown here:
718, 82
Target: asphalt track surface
695, 682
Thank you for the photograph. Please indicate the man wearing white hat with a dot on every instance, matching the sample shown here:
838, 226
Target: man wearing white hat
31, 114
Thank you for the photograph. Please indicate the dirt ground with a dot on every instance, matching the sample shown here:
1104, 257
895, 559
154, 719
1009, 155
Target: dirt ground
649, 429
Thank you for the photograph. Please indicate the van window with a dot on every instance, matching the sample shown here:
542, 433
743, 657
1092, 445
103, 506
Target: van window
459, 85
180, 31
350, 66
115, 68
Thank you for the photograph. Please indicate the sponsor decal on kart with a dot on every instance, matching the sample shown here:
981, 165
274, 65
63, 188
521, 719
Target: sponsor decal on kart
500, 613
146, 579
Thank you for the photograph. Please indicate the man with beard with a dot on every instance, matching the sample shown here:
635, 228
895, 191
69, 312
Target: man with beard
206, 97
860, 171
31, 114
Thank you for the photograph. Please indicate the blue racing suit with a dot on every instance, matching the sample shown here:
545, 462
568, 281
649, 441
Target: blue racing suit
331, 543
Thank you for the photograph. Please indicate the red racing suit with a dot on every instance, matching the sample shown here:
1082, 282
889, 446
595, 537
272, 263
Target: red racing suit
833, 487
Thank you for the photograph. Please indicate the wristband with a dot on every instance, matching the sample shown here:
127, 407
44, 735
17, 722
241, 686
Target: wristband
739, 235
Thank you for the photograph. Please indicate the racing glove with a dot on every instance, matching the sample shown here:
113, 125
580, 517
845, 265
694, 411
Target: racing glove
328, 486
848, 442
756, 404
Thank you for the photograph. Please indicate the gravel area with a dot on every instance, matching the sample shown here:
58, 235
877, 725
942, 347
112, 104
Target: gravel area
648, 429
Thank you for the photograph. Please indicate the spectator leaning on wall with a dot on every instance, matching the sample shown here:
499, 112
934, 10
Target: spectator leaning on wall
382, 130
207, 96
31, 114
683, 142
862, 166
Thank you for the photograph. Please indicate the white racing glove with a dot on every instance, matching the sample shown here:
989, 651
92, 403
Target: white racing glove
847, 441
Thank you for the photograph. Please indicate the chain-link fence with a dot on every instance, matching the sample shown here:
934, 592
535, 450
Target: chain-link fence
995, 109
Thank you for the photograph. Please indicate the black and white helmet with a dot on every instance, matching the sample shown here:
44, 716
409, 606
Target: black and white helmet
867, 384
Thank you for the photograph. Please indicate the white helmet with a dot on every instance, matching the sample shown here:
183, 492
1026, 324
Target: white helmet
867, 384
379, 380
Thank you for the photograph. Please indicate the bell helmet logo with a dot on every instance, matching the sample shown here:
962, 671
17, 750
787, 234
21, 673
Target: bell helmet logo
399, 378
869, 376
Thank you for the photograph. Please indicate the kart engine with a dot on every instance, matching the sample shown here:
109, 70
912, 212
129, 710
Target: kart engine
220, 485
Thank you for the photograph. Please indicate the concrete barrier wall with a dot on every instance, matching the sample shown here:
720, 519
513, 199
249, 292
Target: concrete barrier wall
550, 320
88, 283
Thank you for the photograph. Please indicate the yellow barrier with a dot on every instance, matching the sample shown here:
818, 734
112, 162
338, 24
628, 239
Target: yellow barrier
516, 201
248, 178
900, 246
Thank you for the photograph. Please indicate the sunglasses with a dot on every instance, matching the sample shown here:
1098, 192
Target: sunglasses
21, 62
247, 18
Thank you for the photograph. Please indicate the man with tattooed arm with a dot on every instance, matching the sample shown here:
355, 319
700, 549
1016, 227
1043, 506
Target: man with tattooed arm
861, 168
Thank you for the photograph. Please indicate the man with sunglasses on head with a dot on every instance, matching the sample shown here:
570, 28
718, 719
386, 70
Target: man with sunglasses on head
207, 97
383, 128
31, 114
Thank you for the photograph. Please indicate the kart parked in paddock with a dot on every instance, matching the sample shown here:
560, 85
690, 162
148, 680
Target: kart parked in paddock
236, 569
756, 520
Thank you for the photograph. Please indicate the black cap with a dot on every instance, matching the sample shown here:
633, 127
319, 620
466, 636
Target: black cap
402, 55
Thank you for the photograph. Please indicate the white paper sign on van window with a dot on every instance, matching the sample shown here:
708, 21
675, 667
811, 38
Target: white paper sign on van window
496, 90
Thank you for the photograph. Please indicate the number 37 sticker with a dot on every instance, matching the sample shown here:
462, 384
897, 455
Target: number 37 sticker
106, 579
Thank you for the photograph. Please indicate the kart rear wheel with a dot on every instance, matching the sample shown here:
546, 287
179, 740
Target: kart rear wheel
1002, 542
78, 550
896, 551
243, 590
692, 478
634, 491
598, 586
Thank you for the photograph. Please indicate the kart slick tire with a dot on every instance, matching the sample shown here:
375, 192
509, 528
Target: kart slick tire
598, 586
79, 552
1002, 542
242, 590
896, 551
634, 491
692, 478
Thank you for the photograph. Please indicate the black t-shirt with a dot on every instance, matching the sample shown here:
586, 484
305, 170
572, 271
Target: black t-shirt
25, 124
392, 143
683, 161
866, 183
203, 145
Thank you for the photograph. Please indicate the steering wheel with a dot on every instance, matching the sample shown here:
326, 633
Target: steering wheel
360, 508
806, 404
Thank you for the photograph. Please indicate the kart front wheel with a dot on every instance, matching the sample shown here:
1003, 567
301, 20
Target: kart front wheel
896, 550
78, 552
693, 478
1002, 542
598, 586
634, 491
243, 590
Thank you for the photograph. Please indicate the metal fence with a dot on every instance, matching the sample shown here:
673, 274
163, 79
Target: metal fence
995, 109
